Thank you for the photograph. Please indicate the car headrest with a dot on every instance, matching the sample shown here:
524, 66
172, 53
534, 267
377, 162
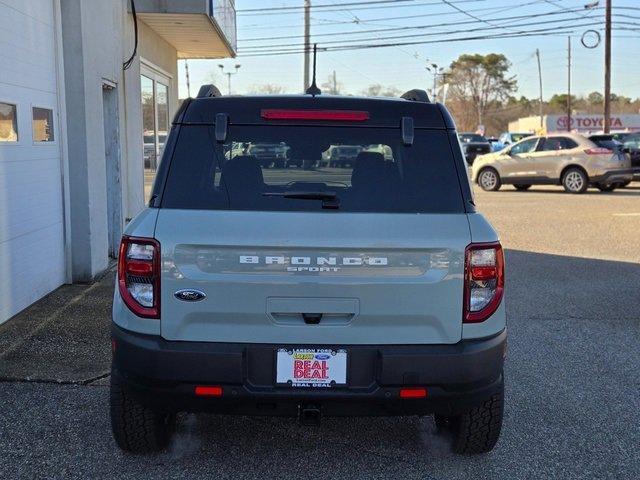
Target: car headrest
242, 174
370, 170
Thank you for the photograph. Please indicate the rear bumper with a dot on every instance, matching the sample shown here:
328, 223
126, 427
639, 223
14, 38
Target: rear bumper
613, 176
163, 374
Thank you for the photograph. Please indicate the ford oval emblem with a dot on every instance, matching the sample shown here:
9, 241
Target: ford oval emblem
322, 356
190, 295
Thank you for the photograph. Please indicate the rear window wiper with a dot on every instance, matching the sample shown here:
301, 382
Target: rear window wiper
329, 199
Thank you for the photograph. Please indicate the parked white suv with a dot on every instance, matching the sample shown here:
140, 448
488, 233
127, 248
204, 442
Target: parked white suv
566, 159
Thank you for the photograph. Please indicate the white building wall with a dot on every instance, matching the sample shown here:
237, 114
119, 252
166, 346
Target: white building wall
98, 37
31, 197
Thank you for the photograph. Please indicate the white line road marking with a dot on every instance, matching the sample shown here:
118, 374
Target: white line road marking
626, 214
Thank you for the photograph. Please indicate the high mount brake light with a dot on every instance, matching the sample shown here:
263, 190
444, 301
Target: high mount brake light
483, 281
598, 151
334, 115
139, 275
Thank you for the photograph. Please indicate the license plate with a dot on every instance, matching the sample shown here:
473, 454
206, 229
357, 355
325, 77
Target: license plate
311, 367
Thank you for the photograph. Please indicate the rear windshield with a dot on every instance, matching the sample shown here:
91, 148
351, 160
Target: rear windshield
285, 168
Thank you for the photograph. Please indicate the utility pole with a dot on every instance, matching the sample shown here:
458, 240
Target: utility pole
607, 67
307, 42
540, 78
568, 83
228, 74
186, 69
335, 83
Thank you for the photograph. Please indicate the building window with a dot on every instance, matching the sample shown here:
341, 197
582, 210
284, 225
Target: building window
155, 125
43, 125
8, 122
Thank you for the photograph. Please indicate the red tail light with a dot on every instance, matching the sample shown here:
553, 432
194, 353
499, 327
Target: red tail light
139, 275
413, 393
598, 151
334, 115
484, 281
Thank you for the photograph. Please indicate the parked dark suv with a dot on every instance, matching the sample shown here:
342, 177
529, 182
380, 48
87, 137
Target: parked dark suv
373, 289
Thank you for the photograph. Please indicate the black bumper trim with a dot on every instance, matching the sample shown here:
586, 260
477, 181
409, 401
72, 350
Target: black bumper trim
614, 173
163, 374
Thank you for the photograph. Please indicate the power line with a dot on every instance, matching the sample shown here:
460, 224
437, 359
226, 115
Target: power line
554, 31
283, 46
394, 29
331, 5
270, 11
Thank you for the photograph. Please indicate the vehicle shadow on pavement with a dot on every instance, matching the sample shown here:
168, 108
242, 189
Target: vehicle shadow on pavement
571, 401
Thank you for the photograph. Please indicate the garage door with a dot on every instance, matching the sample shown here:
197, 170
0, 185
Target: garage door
31, 209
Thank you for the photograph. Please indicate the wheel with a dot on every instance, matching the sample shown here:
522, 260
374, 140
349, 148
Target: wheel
136, 428
489, 180
522, 188
575, 180
478, 430
607, 188
622, 184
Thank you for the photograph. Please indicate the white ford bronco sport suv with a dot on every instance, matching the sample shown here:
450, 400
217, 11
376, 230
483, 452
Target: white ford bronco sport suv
315, 290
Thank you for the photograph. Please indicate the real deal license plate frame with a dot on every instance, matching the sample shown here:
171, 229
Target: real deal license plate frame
311, 367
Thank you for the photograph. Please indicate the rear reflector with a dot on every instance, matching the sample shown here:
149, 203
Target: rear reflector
208, 391
413, 393
334, 115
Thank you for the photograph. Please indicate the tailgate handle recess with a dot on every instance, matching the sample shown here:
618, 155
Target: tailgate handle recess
312, 318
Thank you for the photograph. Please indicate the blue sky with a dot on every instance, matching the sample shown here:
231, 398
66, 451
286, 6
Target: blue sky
404, 66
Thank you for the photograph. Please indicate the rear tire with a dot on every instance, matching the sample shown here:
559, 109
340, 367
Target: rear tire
489, 180
136, 428
476, 431
575, 180
522, 188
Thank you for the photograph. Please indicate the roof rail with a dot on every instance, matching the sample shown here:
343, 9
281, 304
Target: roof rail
209, 90
416, 95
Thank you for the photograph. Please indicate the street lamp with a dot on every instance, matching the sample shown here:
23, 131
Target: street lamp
228, 74
436, 71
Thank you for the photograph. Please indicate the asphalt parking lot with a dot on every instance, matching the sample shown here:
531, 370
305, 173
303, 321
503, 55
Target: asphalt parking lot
572, 403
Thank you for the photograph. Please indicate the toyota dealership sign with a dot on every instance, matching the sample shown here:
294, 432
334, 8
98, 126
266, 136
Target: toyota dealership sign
586, 123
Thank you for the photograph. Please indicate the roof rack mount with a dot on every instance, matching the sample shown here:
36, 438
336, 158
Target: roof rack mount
416, 95
208, 90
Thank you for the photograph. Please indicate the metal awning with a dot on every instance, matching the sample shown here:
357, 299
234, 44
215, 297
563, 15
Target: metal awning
195, 28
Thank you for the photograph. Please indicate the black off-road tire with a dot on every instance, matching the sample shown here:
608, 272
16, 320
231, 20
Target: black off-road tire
136, 428
522, 188
478, 430
475, 431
